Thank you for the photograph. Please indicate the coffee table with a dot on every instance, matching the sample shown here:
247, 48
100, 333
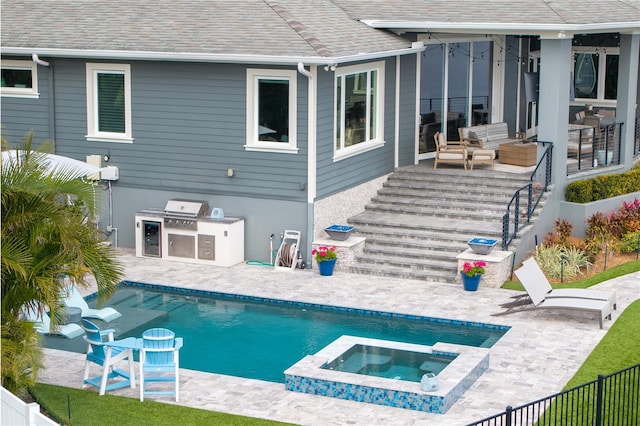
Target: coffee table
518, 153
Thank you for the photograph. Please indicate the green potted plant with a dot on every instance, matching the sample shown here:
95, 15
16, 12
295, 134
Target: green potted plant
326, 258
471, 273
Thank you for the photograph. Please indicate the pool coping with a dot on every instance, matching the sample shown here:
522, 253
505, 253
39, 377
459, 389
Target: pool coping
308, 376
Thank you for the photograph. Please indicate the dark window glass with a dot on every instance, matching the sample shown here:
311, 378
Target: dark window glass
273, 110
611, 77
18, 78
111, 104
586, 76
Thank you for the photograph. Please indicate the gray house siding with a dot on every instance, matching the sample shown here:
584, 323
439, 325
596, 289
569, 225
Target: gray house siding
334, 177
408, 113
263, 217
20, 115
188, 127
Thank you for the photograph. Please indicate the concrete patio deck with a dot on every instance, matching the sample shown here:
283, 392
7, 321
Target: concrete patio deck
535, 358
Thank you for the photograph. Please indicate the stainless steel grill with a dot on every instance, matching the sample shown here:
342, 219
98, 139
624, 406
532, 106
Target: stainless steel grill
184, 214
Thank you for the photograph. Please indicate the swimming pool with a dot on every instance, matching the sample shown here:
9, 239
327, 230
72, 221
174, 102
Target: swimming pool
260, 338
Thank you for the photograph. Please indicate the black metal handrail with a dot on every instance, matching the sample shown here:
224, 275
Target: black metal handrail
540, 180
609, 400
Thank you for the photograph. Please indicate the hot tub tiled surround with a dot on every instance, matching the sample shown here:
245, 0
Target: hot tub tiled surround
308, 376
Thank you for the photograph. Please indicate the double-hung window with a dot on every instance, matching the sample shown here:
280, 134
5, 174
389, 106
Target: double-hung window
109, 102
359, 108
19, 79
271, 110
595, 74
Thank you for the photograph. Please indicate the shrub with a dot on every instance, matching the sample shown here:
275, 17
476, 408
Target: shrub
598, 232
630, 242
579, 191
611, 229
602, 187
561, 262
563, 237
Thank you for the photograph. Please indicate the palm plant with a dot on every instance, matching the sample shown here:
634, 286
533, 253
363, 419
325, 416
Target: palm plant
46, 233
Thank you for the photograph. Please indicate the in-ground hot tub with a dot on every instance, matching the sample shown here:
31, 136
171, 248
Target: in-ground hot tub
390, 363
311, 375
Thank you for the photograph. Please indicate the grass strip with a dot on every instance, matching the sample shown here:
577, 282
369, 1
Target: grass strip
80, 407
618, 349
615, 272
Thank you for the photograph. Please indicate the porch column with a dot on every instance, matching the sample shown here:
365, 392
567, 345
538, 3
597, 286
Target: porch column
627, 94
553, 122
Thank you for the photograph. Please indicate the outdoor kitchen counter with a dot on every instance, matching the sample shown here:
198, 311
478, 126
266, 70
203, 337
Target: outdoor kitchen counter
151, 212
224, 220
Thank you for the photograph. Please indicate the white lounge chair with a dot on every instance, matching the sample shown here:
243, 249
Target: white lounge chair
538, 301
537, 282
42, 324
73, 298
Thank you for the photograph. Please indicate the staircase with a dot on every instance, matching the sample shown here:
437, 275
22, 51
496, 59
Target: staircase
422, 218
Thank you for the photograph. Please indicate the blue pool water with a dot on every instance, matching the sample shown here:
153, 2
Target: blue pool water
260, 338
389, 363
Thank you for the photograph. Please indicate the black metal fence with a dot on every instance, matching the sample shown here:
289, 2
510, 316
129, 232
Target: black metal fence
612, 400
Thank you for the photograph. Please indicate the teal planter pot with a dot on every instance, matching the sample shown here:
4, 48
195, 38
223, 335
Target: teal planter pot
326, 267
471, 283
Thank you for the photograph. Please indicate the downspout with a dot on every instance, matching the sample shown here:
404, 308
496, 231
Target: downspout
52, 104
37, 60
311, 154
52, 123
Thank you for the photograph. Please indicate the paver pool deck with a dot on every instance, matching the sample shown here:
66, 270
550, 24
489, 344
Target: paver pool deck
535, 358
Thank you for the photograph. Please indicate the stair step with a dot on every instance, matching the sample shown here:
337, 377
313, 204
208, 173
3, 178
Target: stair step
481, 185
421, 219
409, 236
458, 202
455, 212
450, 194
365, 219
429, 247
397, 272
414, 258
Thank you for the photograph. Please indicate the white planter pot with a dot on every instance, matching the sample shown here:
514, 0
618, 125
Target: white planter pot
601, 158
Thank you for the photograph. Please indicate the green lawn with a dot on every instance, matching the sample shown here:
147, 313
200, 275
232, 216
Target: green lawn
619, 348
616, 271
81, 408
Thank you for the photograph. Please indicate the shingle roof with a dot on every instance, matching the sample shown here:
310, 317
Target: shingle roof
312, 29
293, 29
497, 11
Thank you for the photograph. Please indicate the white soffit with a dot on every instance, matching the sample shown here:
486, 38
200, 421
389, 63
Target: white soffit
546, 30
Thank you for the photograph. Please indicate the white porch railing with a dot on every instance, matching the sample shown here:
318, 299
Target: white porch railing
16, 412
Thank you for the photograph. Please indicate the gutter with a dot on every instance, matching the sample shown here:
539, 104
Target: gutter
210, 57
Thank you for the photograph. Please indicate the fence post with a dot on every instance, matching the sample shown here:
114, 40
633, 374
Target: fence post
509, 413
599, 398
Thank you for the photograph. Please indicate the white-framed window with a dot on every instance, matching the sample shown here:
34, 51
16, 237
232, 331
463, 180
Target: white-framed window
359, 113
109, 102
595, 75
271, 110
19, 79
